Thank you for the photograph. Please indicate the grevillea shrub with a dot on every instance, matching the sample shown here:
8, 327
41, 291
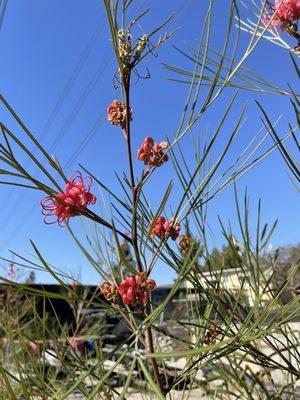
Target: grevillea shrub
222, 329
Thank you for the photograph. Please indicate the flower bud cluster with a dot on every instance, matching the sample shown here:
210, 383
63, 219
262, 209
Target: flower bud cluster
185, 243
210, 336
124, 49
134, 289
117, 113
107, 393
140, 47
128, 54
110, 292
151, 153
165, 229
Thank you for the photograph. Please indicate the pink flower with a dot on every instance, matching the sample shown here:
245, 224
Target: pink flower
165, 229
151, 153
286, 11
32, 347
134, 289
77, 345
72, 202
11, 272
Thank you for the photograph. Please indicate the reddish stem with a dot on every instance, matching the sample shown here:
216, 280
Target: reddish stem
135, 190
131, 172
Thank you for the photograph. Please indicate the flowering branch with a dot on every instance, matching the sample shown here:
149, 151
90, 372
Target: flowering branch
151, 153
126, 86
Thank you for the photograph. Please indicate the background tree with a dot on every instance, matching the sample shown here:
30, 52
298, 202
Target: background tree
283, 259
230, 256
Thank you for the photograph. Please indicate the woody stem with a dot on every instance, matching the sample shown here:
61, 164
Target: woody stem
153, 360
126, 81
134, 237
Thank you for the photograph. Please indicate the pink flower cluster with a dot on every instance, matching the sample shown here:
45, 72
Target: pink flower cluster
286, 11
134, 289
151, 153
165, 229
72, 202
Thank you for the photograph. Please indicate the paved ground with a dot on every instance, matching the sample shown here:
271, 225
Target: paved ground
193, 395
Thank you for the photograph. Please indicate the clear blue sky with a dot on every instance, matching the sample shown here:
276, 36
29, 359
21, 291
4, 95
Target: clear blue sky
41, 45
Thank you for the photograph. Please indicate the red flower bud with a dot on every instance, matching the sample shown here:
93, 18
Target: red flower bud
151, 284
